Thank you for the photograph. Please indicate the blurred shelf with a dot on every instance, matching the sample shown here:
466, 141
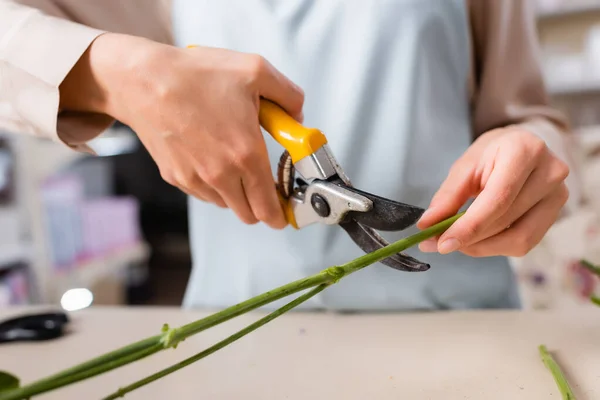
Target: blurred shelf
52, 157
12, 254
116, 261
569, 11
90, 273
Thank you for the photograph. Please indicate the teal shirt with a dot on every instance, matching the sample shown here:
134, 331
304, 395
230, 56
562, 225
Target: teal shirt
386, 81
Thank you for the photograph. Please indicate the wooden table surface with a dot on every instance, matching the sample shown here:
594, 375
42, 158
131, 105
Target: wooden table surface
452, 355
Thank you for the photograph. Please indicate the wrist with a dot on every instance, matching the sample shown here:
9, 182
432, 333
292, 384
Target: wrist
109, 68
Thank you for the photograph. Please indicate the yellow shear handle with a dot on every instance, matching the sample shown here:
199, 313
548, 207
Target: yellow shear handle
298, 140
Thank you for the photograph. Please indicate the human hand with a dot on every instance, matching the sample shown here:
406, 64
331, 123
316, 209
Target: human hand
196, 112
519, 188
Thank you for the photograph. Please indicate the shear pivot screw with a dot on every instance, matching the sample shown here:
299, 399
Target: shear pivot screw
320, 205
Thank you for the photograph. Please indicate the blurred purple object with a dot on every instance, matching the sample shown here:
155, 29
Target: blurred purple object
538, 278
62, 197
109, 224
84, 229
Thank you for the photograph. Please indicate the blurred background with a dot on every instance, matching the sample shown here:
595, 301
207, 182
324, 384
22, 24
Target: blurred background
77, 229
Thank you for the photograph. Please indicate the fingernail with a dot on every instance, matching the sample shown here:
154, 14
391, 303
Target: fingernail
428, 246
449, 245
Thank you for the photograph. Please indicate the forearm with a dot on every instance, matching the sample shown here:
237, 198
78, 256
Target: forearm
109, 64
508, 86
54, 72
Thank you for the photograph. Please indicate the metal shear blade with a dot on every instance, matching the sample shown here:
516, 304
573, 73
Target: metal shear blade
385, 214
369, 240
326, 195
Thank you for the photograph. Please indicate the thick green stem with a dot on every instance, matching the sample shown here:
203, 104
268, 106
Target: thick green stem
218, 346
559, 377
251, 304
47, 385
171, 337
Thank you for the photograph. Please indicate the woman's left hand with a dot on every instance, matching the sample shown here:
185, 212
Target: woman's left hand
519, 185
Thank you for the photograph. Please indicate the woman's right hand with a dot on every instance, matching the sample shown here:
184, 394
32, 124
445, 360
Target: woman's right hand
196, 112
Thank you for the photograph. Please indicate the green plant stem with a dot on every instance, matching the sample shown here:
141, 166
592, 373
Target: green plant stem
172, 337
328, 275
343, 270
218, 346
559, 378
595, 300
591, 267
47, 385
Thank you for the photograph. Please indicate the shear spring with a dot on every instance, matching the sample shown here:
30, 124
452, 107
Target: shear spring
285, 175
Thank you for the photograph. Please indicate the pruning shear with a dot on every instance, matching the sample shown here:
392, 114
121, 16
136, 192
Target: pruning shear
33, 327
324, 194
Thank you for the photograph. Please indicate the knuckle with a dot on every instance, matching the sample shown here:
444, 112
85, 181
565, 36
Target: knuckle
267, 215
245, 156
563, 194
503, 199
537, 147
561, 171
168, 176
249, 219
255, 66
473, 251
524, 243
163, 90
216, 176
469, 231
517, 253
186, 180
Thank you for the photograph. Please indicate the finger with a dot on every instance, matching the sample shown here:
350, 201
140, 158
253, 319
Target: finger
451, 196
430, 245
275, 86
232, 192
208, 196
259, 187
526, 232
205, 194
509, 173
543, 181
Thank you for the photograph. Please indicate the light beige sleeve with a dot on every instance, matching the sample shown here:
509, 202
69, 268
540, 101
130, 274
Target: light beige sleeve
507, 81
41, 41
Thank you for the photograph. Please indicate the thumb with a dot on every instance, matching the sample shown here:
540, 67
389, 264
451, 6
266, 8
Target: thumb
450, 197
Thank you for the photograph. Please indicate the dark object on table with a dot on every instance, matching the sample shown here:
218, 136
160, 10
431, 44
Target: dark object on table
33, 327
7, 180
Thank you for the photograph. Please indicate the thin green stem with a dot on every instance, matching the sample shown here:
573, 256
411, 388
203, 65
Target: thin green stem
171, 337
595, 300
591, 267
339, 272
559, 377
253, 303
218, 346
328, 275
